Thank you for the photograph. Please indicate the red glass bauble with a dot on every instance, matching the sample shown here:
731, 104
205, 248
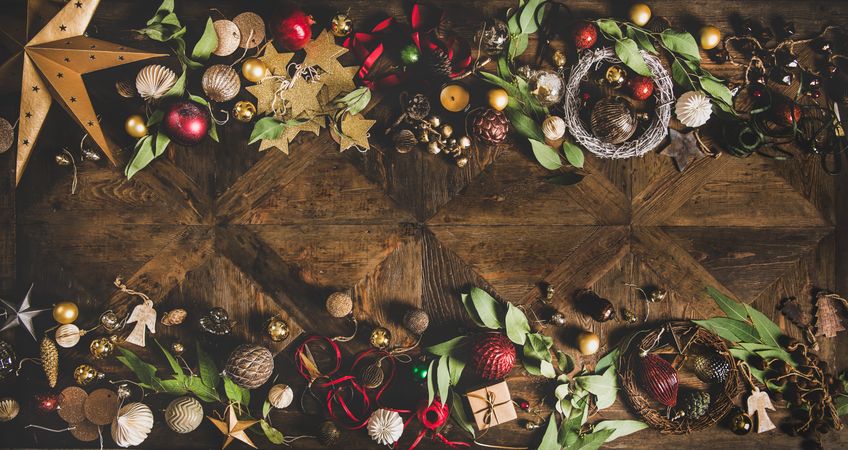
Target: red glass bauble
659, 378
46, 403
493, 356
787, 113
291, 27
585, 35
640, 87
185, 122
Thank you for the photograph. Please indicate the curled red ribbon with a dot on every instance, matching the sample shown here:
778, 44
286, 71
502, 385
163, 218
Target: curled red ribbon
432, 417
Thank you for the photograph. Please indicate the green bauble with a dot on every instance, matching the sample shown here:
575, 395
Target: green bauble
419, 370
409, 55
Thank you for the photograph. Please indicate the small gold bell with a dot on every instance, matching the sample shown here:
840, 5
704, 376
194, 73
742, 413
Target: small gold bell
85, 375
277, 329
177, 348
434, 148
628, 316
244, 111
340, 25
101, 348
380, 338
615, 76
62, 159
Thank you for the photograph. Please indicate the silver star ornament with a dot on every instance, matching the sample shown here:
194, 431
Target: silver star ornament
21, 315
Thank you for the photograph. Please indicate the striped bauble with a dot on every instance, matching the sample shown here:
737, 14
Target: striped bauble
184, 414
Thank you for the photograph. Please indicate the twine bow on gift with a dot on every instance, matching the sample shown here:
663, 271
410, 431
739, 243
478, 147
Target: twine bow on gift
490, 408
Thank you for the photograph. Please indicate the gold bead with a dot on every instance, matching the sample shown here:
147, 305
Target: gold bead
177, 348
434, 121
85, 374
65, 312
559, 59
498, 99
135, 126
710, 37
380, 338
446, 131
588, 343
340, 25
461, 162
615, 76
464, 143
278, 330
101, 348
454, 97
434, 148
244, 111
639, 14
253, 69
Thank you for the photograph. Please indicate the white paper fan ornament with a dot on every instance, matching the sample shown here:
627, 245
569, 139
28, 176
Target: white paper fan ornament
693, 109
132, 425
385, 426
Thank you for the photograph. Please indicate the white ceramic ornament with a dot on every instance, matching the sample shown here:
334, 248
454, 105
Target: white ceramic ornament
133, 424
280, 396
153, 81
184, 414
68, 335
9, 409
385, 426
693, 109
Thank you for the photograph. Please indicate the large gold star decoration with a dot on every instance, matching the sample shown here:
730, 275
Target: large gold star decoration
275, 61
233, 428
323, 52
354, 130
54, 61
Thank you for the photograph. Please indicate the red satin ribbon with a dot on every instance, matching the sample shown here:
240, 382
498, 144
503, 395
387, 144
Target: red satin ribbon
432, 417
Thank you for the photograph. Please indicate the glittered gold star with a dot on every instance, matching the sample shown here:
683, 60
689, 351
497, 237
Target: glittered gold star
288, 135
338, 78
323, 50
276, 61
264, 93
355, 132
302, 97
233, 428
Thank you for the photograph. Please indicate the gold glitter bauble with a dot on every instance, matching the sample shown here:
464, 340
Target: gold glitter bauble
49, 360
136, 126
85, 431
559, 59
710, 37
244, 111
174, 317
252, 29
7, 135
639, 14
339, 304
277, 329
340, 25
380, 338
220, 83
85, 374
72, 404
416, 321
65, 312
253, 69
101, 348
229, 37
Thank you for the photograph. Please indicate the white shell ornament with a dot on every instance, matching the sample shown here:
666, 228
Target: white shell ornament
154, 81
693, 109
9, 409
133, 424
68, 335
280, 396
553, 128
385, 426
184, 414
220, 83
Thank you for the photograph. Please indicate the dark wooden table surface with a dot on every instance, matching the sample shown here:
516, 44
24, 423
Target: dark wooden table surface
260, 234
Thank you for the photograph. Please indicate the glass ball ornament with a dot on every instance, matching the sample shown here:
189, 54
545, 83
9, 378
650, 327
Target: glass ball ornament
409, 55
494, 36
136, 126
340, 25
740, 422
639, 14
547, 87
101, 348
278, 329
380, 338
85, 375
710, 37
588, 343
254, 69
497, 98
244, 111
7, 360
65, 312
420, 369
110, 321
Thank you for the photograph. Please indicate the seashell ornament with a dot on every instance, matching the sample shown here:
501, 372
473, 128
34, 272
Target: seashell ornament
613, 120
280, 396
693, 109
184, 414
220, 83
68, 335
154, 81
132, 425
385, 426
9, 409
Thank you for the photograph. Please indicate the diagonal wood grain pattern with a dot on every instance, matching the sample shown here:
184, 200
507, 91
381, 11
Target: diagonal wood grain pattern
266, 233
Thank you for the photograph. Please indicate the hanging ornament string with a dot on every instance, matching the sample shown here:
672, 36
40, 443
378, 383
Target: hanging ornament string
74, 165
432, 418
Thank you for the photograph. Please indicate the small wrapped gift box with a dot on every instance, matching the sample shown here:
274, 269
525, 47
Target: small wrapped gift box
491, 405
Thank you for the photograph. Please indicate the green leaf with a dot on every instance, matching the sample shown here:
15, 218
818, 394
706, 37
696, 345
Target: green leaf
517, 45
730, 329
681, 43
447, 347
546, 369
570, 428
503, 69
202, 391
545, 155
603, 386
207, 43
175, 366
716, 90
145, 372
768, 351
564, 362
274, 435
198, 99
208, 372
356, 100
173, 386
680, 75
469, 307
155, 117
236, 393
593, 440
523, 124
178, 90
550, 438
487, 308
610, 28
841, 404
529, 14
456, 366
769, 332
443, 378
620, 427
573, 154
516, 323
628, 52
160, 144
142, 157
641, 38
213, 131
431, 391
609, 360
266, 128
459, 415
731, 309
501, 83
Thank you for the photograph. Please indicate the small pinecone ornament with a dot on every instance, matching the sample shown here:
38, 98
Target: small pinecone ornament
710, 368
329, 434
694, 404
489, 125
659, 378
493, 356
438, 63
417, 107
250, 366
50, 360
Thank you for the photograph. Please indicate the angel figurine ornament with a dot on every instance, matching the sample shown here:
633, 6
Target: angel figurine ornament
143, 315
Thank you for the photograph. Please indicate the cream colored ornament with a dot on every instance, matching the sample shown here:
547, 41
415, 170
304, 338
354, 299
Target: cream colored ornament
693, 109
154, 81
132, 425
68, 335
220, 82
184, 414
9, 409
280, 396
385, 426
229, 37
553, 128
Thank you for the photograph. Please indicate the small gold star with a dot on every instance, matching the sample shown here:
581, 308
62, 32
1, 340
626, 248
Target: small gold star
59, 75
355, 132
233, 428
35, 89
90, 123
73, 99
67, 59
92, 57
26, 141
28, 115
276, 61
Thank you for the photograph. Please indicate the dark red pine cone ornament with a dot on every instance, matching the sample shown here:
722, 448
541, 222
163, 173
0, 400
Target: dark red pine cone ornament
489, 125
659, 378
492, 356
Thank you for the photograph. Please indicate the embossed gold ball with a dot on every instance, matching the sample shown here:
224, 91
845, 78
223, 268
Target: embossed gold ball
498, 99
639, 14
380, 338
177, 348
136, 126
101, 348
710, 37
278, 330
446, 131
253, 69
85, 374
615, 76
559, 59
65, 312
244, 111
340, 25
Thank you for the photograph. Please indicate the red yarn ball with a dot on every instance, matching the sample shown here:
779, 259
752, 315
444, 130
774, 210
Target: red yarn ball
186, 122
493, 356
659, 378
292, 28
641, 87
585, 35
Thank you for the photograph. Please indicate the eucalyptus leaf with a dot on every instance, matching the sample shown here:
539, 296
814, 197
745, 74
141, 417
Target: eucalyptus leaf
545, 155
487, 308
141, 158
160, 143
516, 323
716, 90
841, 404
356, 100
524, 125
455, 366
198, 99
469, 307
431, 390
208, 372
608, 360
610, 28
517, 45
178, 89
443, 378
546, 369
266, 128
459, 415
533, 366
570, 428
768, 331
641, 38
175, 366
681, 43
447, 347
207, 43
680, 75
628, 52
593, 440
564, 362
155, 117
274, 435
573, 154
730, 329
550, 438
213, 131
527, 16
620, 427
732, 309
174, 387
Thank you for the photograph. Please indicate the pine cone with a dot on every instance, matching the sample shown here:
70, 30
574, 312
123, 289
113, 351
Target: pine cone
438, 63
695, 404
417, 107
489, 125
250, 366
50, 360
493, 356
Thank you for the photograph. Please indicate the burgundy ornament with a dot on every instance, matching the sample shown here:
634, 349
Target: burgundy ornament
46, 403
291, 27
659, 378
640, 87
585, 35
493, 356
185, 122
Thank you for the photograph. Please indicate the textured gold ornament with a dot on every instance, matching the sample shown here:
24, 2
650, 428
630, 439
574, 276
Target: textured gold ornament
125, 88
85, 374
416, 320
380, 338
177, 348
174, 317
323, 52
244, 111
615, 76
339, 304
354, 129
404, 140
49, 360
229, 37
613, 120
65, 312
54, 61
9, 409
278, 329
220, 83
340, 25
275, 62
101, 348
101, 406
71, 404
252, 29
184, 414
371, 376
559, 59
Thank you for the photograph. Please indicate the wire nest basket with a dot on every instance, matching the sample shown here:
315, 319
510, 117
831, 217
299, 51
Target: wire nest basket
722, 396
657, 129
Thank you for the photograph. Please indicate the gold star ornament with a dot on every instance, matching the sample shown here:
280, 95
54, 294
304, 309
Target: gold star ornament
233, 428
54, 61
354, 132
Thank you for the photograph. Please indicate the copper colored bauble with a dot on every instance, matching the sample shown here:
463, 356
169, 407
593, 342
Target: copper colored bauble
254, 69
290, 26
46, 403
416, 320
339, 304
136, 126
585, 35
710, 37
597, 307
588, 343
659, 378
340, 25
640, 87
454, 97
85, 375
65, 312
613, 120
380, 338
329, 434
489, 125
497, 98
125, 88
740, 422
493, 356
250, 366
220, 83
278, 329
251, 29
639, 14
229, 37
101, 348
186, 122
244, 111
404, 140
